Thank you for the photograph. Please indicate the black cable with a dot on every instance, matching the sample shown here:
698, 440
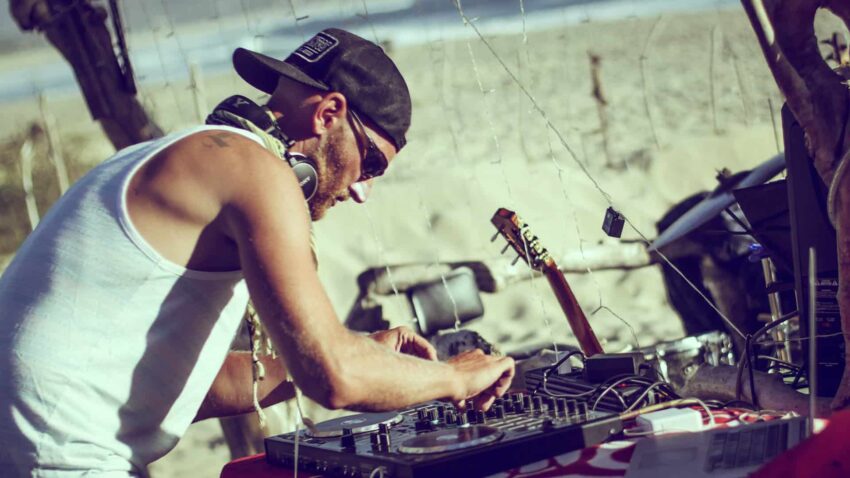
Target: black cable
740, 222
554, 367
748, 361
797, 377
779, 321
751, 367
779, 362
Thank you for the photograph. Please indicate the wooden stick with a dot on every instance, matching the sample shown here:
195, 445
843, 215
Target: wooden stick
601, 102
26, 180
54, 147
711, 90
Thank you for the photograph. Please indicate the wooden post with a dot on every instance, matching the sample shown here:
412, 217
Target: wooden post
78, 30
48, 122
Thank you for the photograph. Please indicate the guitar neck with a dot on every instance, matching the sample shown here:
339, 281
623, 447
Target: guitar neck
587, 340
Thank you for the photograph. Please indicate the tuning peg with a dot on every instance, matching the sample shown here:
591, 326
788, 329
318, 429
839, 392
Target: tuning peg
495, 236
505, 249
515, 261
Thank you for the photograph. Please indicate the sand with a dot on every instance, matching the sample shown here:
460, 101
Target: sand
471, 152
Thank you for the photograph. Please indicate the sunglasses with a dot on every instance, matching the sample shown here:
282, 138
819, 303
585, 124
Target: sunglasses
374, 161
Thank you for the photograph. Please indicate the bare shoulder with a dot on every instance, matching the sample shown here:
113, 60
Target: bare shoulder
225, 158
213, 166
199, 176
249, 183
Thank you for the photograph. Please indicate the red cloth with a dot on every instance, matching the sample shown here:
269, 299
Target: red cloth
825, 455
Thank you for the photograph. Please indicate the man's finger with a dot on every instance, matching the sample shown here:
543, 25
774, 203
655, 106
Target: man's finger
426, 349
484, 401
504, 382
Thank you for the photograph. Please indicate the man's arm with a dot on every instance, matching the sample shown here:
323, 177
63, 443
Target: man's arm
232, 391
266, 216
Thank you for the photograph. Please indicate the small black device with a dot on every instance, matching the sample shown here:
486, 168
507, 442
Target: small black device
436, 439
613, 223
601, 367
236, 110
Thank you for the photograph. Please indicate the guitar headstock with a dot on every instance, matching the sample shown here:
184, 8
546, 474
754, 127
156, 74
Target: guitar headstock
521, 239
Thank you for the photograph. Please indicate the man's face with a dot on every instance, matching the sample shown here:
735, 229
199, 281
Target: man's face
339, 156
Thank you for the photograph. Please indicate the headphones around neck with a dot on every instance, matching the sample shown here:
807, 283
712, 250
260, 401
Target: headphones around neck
240, 112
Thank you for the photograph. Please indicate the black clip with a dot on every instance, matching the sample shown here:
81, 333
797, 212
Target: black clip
613, 224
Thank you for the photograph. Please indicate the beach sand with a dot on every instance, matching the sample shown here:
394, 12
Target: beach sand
471, 152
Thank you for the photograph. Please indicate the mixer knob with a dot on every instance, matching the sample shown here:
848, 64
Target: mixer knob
519, 407
441, 411
537, 404
420, 414
526, 402
509, 406
383, 428
462, 420
347, 440
450, 417
373, 439
516, 396
499, 411
480, 417
384, 441
432, 415
561, 406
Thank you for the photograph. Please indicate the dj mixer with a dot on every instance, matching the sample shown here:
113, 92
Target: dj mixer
436, 439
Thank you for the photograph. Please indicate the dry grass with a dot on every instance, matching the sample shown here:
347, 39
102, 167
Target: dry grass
14, 223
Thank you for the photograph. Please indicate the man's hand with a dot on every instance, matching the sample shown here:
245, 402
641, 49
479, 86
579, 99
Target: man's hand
483, 377
403, 339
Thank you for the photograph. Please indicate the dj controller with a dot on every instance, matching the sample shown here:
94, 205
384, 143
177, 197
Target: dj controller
436, 439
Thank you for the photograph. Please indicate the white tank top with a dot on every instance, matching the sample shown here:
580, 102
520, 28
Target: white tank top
107, 349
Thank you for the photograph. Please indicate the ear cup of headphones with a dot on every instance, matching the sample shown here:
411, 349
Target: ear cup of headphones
305, 172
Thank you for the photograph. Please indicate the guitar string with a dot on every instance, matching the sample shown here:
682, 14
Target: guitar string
607, 197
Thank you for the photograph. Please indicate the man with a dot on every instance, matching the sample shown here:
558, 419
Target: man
118, 310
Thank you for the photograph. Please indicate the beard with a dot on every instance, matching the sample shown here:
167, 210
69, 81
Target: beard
329, 167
